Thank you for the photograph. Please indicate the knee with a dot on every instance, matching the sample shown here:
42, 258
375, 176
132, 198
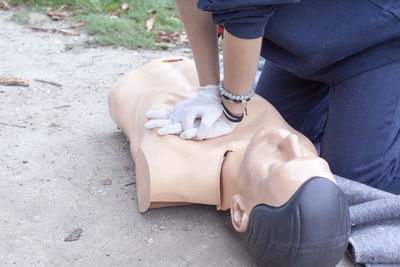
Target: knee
375, 170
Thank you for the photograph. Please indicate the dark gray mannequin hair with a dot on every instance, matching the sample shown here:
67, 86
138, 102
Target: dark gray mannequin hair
311, 229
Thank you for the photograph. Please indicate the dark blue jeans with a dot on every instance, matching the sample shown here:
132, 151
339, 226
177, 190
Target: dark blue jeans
356, 120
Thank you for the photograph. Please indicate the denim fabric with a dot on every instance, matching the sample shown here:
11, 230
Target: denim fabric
356, 120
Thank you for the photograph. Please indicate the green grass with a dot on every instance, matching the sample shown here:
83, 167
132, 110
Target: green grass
118, 32
128, 30
21, 17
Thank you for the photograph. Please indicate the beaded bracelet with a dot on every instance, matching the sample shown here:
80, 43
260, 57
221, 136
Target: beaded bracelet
235, 98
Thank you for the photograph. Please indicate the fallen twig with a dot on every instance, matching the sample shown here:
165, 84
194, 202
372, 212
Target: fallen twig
9, 80
80, 11
4, 5
39, 29
75, 25
68, 32
12, 125
130, 184
52, 83
63, 31
63, 106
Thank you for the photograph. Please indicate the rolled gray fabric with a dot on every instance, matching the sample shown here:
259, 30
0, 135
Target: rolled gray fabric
371, 211
375, 218
378, 265
376, 243
357, 193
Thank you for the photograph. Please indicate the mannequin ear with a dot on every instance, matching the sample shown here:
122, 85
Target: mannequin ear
239, 214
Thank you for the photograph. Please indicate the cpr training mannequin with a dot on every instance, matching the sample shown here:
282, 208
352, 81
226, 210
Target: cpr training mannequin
283, 196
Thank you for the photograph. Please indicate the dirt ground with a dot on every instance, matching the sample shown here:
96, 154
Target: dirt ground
57, 144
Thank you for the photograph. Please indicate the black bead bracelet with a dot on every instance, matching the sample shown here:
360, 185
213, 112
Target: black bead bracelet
230, 116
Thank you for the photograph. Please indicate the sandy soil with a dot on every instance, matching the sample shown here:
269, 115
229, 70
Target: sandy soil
57, 144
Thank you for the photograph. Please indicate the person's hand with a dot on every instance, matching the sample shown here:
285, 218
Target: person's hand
196, 118
221, 127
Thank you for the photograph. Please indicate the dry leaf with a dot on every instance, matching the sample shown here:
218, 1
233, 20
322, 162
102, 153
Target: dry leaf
150, 23
152, 11
74, 235
116, 13
169, 7
125, 6
80, 11
59, 13
75, 25
163, 46
183, 39
4, 5
173, 37
61, 8
166, 36
106, 181
9, 80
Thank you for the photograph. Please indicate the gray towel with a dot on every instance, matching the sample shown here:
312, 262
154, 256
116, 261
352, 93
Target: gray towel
375, 219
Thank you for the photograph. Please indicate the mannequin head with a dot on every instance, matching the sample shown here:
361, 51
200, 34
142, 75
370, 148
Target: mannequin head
311, 228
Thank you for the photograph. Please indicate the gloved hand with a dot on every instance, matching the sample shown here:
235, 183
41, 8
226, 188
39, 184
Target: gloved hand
221, 127
196, 118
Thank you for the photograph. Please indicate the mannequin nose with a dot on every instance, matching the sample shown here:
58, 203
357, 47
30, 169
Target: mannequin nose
292, 146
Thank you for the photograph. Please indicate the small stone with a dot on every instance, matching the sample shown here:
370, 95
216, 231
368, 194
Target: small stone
74, 235
162, 227
54, 124
150, 241
25, 162
106, 181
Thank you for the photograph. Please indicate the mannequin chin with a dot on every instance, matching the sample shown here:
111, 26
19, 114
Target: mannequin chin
283, 197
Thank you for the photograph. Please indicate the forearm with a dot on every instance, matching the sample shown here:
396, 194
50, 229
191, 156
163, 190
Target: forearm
202, 35
241, 58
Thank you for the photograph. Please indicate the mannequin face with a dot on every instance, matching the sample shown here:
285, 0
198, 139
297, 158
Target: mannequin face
274, 161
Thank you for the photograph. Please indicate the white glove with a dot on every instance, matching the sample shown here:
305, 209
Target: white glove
221, 127
183, 119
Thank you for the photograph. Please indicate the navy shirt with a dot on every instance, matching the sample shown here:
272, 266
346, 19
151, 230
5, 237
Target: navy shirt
325, 40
